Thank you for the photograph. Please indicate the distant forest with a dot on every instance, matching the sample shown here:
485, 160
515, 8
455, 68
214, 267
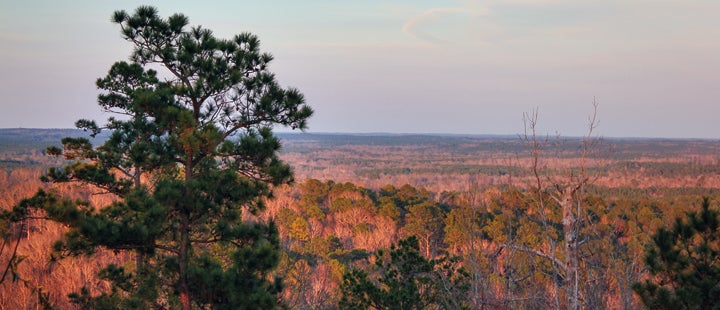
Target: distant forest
466, 206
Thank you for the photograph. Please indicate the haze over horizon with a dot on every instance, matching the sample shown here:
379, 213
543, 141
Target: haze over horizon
458, 67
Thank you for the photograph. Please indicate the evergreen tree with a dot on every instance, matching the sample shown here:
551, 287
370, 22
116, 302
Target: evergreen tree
425, 220
684, 262
406, 281
188, 153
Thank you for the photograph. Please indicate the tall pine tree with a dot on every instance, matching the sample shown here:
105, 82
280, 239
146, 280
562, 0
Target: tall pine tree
190, 149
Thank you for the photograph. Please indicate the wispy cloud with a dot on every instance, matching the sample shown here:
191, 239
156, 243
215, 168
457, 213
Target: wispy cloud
415, 25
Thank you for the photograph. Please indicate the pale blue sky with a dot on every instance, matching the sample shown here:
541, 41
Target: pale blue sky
408, 66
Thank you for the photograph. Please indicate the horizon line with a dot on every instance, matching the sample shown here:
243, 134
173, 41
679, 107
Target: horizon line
441, 134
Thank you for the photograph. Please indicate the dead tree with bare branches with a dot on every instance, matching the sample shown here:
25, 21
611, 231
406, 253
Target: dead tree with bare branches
559, 202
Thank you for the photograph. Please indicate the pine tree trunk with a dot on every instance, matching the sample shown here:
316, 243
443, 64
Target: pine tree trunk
183, 263
138, 255
184, 248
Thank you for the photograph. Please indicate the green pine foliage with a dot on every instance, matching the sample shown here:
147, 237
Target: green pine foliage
406, 281
684, 263
186, 155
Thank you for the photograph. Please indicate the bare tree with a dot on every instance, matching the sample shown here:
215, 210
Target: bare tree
566, 193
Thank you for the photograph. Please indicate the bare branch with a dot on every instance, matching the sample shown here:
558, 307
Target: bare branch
552, 259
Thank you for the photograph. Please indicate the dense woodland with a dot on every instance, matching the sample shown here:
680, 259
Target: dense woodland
184, 198
483, 217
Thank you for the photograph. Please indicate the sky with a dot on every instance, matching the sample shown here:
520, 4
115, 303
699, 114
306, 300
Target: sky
412, 66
